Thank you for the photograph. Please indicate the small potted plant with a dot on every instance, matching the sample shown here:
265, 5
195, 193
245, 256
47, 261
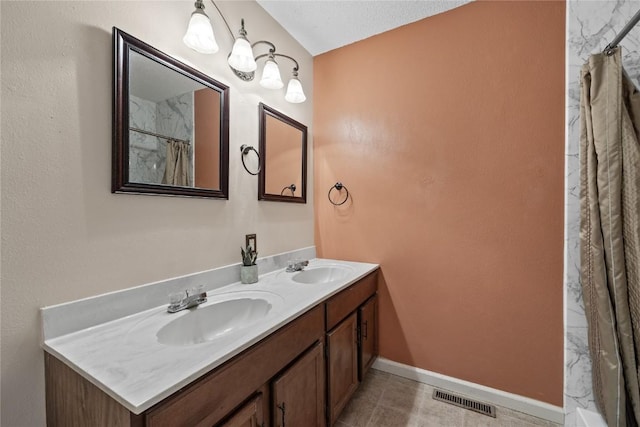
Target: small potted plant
249, 269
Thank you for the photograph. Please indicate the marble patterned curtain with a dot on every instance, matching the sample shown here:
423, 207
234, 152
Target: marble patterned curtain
177, 168
610, 234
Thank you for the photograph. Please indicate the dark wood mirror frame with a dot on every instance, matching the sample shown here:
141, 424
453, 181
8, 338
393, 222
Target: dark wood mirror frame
123, 43
264, 112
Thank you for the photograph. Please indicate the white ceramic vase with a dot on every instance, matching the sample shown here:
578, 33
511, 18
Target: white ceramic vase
248, 274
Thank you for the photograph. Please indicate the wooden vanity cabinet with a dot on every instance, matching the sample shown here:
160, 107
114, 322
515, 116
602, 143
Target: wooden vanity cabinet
302, 375
349, 352
219, 398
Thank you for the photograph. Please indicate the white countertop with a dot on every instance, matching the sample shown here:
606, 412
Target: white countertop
124, 358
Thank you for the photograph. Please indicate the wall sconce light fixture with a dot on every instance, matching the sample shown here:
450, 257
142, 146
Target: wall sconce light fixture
200, 37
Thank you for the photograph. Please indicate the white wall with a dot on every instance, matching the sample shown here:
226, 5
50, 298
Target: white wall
591, 25
64, 235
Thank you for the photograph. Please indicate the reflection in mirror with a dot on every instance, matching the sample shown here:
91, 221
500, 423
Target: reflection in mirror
283, 153
170, 125
170, 117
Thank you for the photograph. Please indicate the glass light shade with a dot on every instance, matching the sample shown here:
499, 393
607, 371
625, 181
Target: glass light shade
295, 94
271, 76
199, 36
241, 57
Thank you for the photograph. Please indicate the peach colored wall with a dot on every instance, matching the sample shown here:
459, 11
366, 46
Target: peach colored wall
207, 135
449, 134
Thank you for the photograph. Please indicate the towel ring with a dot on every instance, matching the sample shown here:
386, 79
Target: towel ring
244, 149
291, 187
338, 186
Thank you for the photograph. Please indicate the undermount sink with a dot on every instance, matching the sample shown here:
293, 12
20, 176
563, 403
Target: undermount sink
322, 274
210, 322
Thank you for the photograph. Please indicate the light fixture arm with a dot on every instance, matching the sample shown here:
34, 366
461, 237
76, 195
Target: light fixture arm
224, 20
272, 52
272, 47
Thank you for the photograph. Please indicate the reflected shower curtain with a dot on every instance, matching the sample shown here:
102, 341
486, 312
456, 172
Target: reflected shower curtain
610, 234
177, 169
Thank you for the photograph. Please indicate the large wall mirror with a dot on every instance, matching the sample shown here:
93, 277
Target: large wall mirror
283, 157
170, 125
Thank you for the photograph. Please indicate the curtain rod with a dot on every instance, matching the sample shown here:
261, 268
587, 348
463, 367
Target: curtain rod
614, 43
158, 135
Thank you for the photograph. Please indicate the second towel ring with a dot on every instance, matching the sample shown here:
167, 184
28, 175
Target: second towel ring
244, 149
338, 186
291, 187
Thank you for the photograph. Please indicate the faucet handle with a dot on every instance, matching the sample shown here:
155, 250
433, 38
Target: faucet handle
195, 290
175, 298
291, 265
198, 292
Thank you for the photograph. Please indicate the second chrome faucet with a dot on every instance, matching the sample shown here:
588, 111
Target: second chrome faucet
190, 298
296, 265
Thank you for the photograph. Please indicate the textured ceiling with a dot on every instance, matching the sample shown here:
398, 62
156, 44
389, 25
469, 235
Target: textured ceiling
324, 25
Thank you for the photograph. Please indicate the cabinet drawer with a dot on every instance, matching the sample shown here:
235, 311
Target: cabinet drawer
208, 400
347, 301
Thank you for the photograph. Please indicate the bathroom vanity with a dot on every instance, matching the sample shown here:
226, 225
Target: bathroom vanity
299, 367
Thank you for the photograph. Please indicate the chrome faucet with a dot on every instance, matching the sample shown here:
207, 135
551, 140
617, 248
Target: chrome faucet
191, 298
296, 265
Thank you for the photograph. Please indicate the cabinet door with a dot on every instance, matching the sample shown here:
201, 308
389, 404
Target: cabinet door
298, 394
249, 415
368, 335
342, 364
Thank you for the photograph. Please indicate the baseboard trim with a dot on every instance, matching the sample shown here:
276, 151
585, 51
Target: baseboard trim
516, 402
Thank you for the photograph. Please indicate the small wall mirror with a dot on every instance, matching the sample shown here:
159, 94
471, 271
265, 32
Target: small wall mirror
170, 127
283, 157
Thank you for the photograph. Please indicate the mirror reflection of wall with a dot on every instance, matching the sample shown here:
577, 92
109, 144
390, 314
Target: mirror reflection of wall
172, 115
283, 155
207, 138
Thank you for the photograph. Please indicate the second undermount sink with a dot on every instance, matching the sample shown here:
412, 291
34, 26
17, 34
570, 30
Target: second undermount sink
322, 274
209, 322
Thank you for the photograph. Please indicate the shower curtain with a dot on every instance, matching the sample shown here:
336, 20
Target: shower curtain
177, 169
610, 234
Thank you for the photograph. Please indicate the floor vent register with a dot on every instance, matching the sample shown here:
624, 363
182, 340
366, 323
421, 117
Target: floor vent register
463, 402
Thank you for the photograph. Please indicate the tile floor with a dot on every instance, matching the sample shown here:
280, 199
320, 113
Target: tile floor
385, 400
